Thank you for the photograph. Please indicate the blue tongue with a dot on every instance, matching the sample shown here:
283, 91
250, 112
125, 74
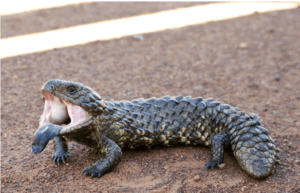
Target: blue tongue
43, 135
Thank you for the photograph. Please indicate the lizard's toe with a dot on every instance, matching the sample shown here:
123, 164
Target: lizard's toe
211, 164
59, 158
92, 171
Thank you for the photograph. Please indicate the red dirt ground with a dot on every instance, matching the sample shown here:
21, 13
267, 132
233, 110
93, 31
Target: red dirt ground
252, 62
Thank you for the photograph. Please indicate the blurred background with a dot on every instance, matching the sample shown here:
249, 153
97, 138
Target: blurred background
244, 54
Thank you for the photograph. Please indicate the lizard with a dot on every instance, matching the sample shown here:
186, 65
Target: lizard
73, 111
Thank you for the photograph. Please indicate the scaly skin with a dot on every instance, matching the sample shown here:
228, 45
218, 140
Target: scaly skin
164, 121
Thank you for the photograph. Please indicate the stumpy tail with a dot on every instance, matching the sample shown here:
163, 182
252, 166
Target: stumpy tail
253, 148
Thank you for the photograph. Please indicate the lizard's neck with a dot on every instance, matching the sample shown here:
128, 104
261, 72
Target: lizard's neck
114, 123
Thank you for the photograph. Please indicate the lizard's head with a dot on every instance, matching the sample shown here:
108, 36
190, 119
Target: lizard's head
69, 104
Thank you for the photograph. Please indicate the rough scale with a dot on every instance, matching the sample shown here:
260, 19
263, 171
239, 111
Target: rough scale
78, 113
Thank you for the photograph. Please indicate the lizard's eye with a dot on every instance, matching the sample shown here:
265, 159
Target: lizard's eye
71, 89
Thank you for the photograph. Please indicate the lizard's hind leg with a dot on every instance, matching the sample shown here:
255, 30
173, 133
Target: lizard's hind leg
217, 146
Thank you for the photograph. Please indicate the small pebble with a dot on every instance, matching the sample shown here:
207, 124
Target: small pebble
4, 178
285, 141
138, 37
222, 166
276, 77
165, 187
277, 162
166, 167
244, 188
197, 177
278, 149
243, 45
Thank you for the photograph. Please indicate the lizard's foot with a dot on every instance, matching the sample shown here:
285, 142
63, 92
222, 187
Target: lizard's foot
93, 171
59, 157
211, 164
113, 157
217, 147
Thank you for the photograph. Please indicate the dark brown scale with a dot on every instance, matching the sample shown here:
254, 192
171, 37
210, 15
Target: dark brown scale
171, 121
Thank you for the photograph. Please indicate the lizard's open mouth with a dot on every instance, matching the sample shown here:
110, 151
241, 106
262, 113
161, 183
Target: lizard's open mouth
61, 112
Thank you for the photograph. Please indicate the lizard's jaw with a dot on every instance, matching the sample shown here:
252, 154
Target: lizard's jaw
61, 112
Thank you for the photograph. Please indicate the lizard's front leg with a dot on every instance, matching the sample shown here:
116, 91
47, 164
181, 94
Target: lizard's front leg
61, 150
112, 158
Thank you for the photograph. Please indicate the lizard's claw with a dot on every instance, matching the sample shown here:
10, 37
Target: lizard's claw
57, 158
211, 164
92, 171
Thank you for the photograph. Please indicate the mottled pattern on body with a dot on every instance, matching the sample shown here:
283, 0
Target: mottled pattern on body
166, 121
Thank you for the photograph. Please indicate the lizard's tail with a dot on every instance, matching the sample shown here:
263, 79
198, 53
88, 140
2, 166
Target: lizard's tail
253, 148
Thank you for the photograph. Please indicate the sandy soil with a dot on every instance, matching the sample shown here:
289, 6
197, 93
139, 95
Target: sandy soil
250, 62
